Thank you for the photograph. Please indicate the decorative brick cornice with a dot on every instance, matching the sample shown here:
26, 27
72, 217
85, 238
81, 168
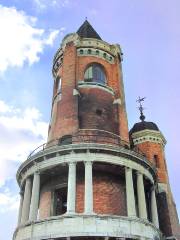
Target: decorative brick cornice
148, 136
106, 51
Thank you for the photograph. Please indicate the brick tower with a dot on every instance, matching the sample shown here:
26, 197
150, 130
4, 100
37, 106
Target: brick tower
91, 180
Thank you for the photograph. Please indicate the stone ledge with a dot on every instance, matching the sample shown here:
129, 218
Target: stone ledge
87, 225
82, 84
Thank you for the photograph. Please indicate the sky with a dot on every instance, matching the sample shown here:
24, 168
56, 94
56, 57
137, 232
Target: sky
30, 33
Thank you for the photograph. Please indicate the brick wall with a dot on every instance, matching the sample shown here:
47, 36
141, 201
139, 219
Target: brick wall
66, 121
108, 194
45, 205
96, 110
150, 149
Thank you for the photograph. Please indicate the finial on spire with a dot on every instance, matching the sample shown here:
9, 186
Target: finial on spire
140, 100
86, 18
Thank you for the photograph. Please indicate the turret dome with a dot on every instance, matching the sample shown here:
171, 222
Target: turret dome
143, 125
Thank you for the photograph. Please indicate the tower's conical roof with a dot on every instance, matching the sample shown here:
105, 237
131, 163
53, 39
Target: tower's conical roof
87, 31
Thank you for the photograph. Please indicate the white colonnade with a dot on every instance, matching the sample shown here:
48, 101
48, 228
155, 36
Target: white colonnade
29, 202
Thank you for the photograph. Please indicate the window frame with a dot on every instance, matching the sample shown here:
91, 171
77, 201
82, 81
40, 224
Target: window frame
95, 73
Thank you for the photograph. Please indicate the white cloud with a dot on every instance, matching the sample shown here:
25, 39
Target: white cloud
8, 201
44, 4
21, 131
4, 108
21, 41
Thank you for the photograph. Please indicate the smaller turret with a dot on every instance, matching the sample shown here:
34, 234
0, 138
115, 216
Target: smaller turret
147, 137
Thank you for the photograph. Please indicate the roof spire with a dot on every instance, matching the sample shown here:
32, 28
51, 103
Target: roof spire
140, 100
87, 31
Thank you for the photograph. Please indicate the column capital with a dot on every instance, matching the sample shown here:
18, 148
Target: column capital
72, 163
88, 162
128, 169
37, 172
139, 173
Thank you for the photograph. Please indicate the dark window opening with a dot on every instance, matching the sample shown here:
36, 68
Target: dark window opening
89, 51
99, 112
66, 139
81, 51
104, 55
95, 73
97, 52
156, 161
60, 201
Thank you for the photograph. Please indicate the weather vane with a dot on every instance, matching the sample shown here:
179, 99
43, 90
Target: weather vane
140, 100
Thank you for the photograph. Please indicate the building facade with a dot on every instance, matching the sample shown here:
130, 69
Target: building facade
94, 179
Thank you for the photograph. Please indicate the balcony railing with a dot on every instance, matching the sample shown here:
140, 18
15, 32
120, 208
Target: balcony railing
87, 136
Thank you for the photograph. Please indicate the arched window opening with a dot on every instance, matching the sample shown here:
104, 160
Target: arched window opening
89, 51
97, 52
95, 73
81, 51
58, 84
60, 201
156, 161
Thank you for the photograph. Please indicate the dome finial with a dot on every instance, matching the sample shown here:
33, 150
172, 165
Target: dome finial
140, 100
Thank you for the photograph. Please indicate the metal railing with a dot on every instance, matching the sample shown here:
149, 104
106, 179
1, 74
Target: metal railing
87, 136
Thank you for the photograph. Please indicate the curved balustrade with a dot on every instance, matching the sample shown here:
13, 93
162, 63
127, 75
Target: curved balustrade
87, 136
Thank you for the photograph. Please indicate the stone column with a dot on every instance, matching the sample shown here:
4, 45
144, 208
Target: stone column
141, 196
154, 212
20, 207
131, 209
26, 201
71, 195
35, 197
88, 204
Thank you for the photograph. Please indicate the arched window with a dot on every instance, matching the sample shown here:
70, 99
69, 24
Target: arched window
95, 73
58, 84
97, 52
